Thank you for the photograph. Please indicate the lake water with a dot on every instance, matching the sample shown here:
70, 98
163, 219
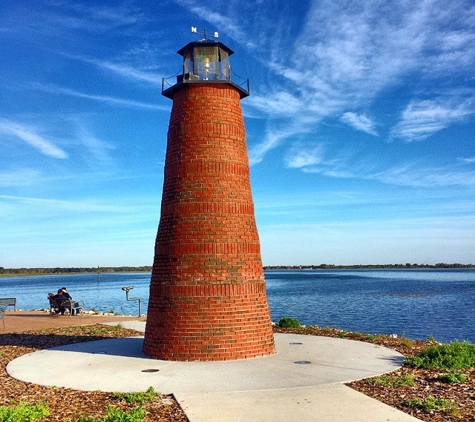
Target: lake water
413, 303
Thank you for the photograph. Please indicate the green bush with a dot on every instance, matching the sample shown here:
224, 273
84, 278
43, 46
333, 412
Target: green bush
450, 356
24, 412
287, 322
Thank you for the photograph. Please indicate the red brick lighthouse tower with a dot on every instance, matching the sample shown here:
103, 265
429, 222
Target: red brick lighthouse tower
207, 295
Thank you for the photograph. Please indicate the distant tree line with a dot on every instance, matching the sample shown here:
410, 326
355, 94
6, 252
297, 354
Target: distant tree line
366, 267
146, 268
72, 270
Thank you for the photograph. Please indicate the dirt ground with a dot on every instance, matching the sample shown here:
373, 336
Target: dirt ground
20, 321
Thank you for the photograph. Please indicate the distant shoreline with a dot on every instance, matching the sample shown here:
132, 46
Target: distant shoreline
22, 272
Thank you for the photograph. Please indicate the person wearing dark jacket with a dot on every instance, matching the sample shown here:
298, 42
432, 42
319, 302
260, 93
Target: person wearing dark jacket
62, 299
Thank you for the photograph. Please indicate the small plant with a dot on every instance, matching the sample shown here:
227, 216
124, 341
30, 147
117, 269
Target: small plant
287, 322
137, 397
24, 412
408, 343
114, 414
96, 331
430, 403
452, 378
449, 357
117, 327
393, 381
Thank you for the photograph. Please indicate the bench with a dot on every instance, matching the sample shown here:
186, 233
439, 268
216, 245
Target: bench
9, 301
73, 307
5, 302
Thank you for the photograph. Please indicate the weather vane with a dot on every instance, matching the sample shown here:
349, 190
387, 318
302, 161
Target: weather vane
194, 30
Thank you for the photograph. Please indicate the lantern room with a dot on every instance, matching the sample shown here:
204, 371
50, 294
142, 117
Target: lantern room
205, 61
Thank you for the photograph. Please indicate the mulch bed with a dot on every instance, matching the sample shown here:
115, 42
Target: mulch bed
68, 404
64, 403
461, 396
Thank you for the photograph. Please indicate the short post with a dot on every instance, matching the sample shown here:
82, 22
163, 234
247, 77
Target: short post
126, 290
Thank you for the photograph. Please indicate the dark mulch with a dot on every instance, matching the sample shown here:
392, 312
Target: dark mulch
460, 396
65, 403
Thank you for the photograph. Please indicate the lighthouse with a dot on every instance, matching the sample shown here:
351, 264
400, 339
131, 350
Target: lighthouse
208, 298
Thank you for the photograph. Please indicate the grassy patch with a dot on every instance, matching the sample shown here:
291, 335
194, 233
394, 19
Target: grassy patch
430, 403
450, 356
452, 378
115, 414
24, 412
137, 397
392, 380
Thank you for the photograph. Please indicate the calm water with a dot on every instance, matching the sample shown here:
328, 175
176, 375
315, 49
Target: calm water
413, 303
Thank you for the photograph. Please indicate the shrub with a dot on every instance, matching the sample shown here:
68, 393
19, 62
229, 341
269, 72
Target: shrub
450, 356
287, 322
24, 412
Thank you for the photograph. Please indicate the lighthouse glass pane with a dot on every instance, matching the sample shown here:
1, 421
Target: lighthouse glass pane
206, 63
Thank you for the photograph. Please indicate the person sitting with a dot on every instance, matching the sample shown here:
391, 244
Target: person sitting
62, 299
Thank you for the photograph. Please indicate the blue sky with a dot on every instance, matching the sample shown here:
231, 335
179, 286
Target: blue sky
360, 127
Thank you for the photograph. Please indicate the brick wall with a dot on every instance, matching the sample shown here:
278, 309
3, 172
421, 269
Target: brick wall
207, 296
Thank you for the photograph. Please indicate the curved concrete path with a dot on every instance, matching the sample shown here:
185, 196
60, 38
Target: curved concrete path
302, 381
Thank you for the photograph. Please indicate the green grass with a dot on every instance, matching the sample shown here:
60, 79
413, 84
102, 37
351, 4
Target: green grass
137, 397
393, 381
114, 414
452, 378
24, 412
449, 357
430, 403
287, 322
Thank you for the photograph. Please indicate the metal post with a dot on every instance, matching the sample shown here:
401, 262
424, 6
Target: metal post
126, 289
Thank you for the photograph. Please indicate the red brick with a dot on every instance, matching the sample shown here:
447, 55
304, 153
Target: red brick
207, 294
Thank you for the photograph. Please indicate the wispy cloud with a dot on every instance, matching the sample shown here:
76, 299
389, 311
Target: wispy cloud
347, 164
19, 177
55, 89
124, 70
331, 65
299, 157
468, 160
97, 151
422, 119
93, 18
61, 205
29, 135
359, 122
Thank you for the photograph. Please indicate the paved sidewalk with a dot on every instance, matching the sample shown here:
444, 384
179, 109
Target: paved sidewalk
303, 381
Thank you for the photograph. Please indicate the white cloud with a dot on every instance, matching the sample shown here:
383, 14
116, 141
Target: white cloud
299, 156
54, 89
422, 119
57, 205
29, 135
97, 150
19, 177
124, 70
468, 160
359, 122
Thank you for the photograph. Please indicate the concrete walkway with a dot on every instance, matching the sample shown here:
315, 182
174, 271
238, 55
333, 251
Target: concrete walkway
303, 381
